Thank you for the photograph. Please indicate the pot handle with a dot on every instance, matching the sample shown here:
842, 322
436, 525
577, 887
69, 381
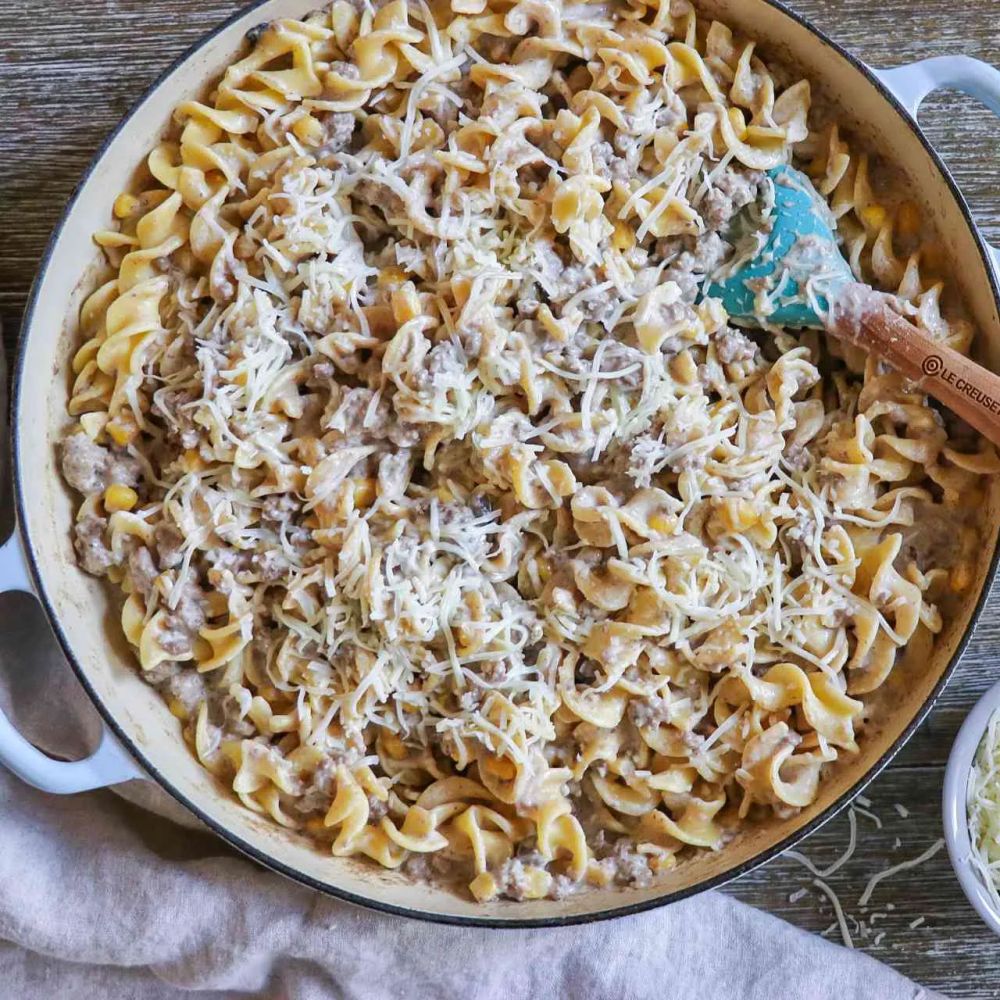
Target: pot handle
912, 83
109, 764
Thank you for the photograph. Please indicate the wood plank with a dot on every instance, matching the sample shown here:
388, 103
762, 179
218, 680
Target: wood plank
951, 951
72, 70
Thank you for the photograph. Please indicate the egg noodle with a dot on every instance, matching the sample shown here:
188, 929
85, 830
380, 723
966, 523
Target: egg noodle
456, 526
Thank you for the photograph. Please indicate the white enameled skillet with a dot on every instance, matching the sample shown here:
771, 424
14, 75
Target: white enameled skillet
141, 738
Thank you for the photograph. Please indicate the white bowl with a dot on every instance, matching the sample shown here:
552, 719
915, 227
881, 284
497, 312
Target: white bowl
955, 807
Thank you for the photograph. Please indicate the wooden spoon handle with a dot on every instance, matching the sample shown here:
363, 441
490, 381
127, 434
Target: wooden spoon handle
967, 389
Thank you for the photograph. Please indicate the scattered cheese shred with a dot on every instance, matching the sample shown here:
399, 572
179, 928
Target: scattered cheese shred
862, 928
837, 909
868, 814
902, 866
842, 860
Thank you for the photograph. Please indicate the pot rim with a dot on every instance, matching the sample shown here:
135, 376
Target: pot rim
372, 902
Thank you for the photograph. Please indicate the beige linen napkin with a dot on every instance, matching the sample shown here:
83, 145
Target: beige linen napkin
106, 898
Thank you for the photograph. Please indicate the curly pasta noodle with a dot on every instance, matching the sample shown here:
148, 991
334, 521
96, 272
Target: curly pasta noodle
457, 528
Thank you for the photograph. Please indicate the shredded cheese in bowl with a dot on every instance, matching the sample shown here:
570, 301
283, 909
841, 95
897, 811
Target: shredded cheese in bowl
983, 806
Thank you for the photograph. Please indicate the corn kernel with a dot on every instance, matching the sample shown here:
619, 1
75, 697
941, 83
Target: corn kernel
392, 275
119, 497
177, 709
499, 766
537, 883
597, 875
308, 130
874, 216
908, 219
405, 303
484, 887
125, 205
623, 237
659, 863
662, 523
121, 434
684, 368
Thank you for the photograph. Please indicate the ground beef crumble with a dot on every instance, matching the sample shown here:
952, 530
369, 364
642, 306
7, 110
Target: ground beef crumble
91, 547
90, 468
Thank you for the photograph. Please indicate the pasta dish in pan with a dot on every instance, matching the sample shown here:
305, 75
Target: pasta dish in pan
457, 526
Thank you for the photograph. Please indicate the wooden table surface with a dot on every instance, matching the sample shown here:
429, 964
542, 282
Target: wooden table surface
69, 71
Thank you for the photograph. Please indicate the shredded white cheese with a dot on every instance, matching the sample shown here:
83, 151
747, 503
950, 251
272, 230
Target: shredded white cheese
983, 808
837, 909
902, 866
841, 861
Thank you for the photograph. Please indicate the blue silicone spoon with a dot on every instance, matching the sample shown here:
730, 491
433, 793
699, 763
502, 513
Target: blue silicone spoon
801, 245
792, 274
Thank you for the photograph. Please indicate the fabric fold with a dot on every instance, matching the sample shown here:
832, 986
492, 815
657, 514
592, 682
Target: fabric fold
97, 889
